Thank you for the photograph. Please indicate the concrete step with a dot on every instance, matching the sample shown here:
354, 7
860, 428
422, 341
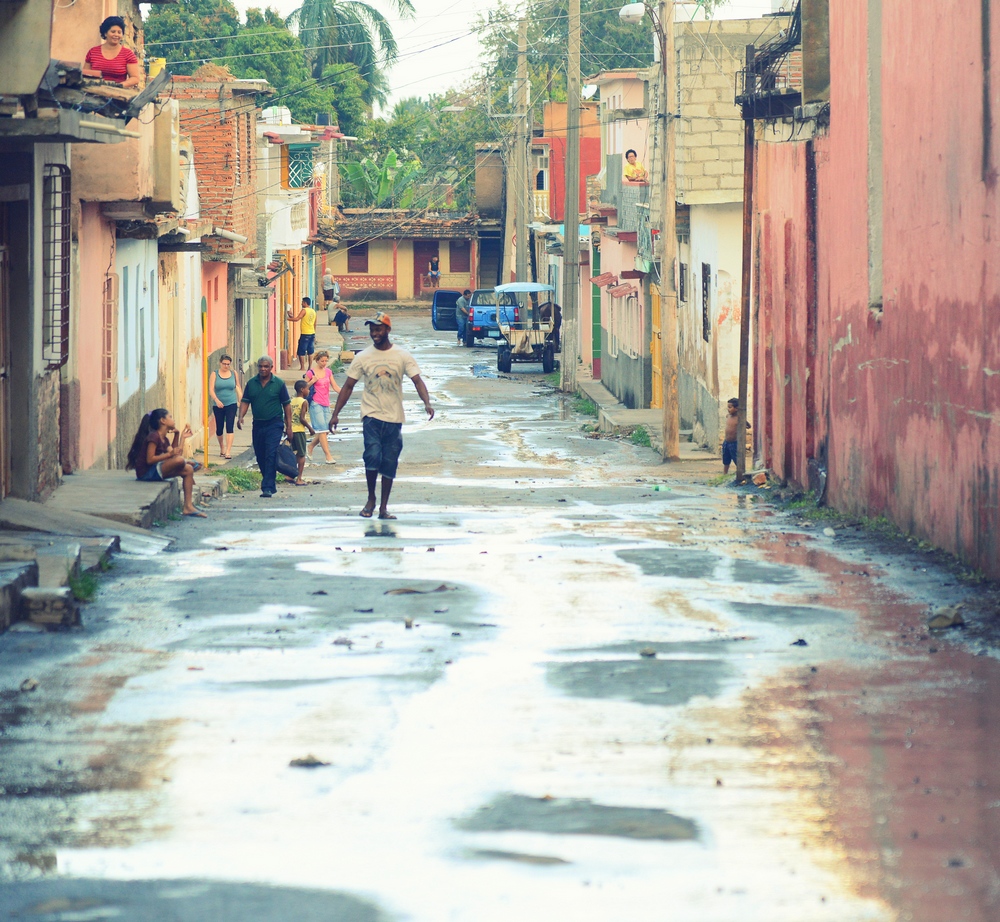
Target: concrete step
95, 553
58, 557
51, 607
15, 578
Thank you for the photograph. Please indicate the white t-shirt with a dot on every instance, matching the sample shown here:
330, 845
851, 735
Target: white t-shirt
381, 371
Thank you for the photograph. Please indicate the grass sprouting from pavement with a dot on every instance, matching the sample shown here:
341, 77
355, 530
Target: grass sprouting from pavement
240, 480
82, 585
584, 405
640, 437
552, 379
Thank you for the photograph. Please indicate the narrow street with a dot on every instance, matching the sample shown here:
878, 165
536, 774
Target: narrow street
568, 683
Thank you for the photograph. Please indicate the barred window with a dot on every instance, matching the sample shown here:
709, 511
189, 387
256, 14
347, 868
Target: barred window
300, 166
459, 256
56, 256
357, 257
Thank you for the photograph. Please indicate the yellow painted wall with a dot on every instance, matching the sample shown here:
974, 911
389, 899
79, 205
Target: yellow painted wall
404, 260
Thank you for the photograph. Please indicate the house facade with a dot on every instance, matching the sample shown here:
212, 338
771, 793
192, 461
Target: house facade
875, 228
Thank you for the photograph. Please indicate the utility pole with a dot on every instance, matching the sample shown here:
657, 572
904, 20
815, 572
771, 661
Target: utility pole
746, 278
571, 217
668, 235
521, 199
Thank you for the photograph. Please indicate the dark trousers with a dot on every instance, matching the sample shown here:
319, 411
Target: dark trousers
266, 439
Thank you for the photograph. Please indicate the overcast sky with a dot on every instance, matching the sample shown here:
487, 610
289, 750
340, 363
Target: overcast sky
437, 50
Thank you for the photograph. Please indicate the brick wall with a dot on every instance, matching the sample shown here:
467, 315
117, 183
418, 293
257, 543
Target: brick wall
710, 130
221, 120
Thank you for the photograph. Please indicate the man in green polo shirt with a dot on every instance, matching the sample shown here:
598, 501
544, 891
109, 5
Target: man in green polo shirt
268, 397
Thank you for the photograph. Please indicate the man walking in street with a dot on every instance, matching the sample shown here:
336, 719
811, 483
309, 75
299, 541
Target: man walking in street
381, 366
462, 315
307, 332
268, 397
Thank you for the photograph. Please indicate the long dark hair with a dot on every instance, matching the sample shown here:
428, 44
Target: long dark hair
150, 423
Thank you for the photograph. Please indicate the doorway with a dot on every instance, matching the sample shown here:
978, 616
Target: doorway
423, 252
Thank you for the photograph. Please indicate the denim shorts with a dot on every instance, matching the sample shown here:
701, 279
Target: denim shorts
728, 452
307, 344
383, 443
152, 474
319, 416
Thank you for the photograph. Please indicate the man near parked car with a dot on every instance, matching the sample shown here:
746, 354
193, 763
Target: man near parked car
381, 366
462, 315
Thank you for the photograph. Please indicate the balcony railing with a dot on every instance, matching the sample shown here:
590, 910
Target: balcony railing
626, 197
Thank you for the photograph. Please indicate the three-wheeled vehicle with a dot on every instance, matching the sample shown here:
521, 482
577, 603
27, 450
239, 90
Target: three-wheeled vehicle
525, 335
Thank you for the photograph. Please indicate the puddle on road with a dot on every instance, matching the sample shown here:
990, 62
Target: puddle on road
788, 614
674, 562
88, 900
480, 370
519, 857
753, 571
649, 681
576, 816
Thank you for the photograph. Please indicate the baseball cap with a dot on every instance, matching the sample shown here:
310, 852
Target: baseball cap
380, 317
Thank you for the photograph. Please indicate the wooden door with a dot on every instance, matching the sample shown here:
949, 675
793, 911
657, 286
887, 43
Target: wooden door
656, 350
423, 250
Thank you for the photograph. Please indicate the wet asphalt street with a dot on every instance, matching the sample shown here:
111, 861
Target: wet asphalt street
798, 749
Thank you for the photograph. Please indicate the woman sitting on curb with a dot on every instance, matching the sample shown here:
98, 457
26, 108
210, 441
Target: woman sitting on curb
154, 458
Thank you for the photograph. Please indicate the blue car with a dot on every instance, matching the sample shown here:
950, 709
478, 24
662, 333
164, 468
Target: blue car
483, 309
443, 309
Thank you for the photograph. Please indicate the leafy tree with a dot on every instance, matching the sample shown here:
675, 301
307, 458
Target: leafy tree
350, 32
391, 183
190, 33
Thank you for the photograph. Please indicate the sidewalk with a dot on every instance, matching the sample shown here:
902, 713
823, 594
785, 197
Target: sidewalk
327, 338
614, 417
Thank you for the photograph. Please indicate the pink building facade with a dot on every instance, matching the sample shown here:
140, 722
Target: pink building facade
878, 350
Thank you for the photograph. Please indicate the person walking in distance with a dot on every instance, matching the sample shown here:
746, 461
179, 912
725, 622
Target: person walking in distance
225, 391
268, 397
331, 295
381, 366
306, 317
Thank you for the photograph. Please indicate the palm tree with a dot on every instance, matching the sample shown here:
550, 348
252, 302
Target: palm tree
350, 32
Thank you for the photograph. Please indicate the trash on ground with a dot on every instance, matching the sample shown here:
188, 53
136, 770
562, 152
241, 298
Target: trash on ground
407, 590
343, 642
309, 761
29, 685
408, 623
365, 611
946, 618
829, 532
799, 643
648, 652
760, 479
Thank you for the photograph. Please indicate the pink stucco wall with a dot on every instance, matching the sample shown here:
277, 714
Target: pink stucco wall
903, 403
214, 289
95, 427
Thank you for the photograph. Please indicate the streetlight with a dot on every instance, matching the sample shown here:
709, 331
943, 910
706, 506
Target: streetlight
662, 19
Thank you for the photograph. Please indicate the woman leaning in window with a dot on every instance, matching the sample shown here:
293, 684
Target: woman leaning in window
114, 62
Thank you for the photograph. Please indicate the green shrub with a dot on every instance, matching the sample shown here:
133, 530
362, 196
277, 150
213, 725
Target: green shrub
82, 585
640, 437
240, 480
584, 405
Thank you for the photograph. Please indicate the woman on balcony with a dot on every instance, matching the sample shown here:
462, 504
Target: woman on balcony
634, 171
112, 60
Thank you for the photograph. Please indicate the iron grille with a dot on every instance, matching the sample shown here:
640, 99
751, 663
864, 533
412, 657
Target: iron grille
56, 257
767, 87
300, 167
108, 339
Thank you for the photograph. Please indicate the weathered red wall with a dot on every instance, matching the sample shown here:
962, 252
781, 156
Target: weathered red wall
903, 403
590, 164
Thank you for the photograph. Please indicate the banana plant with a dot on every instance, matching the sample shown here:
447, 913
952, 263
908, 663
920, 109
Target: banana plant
388, 183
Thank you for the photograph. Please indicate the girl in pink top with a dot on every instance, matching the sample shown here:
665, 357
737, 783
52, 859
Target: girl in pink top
113, 60
319, 408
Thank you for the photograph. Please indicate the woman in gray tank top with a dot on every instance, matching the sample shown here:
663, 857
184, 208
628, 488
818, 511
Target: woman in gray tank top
225, 391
